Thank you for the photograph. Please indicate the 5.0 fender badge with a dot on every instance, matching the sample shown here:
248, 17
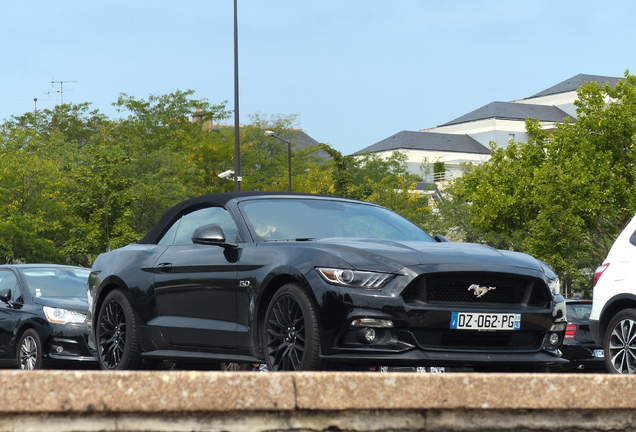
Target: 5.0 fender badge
480, 291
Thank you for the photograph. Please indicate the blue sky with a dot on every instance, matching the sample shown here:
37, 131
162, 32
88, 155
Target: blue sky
354, 71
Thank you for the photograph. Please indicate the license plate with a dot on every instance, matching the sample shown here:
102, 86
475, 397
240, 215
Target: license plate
599, 353
485, 321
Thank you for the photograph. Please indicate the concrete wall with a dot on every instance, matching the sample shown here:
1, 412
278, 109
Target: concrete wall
323, 401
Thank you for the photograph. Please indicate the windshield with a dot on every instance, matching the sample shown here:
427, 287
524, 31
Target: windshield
302, 219
56, 282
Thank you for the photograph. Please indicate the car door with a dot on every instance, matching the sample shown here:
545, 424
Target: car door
8, 313
195, 285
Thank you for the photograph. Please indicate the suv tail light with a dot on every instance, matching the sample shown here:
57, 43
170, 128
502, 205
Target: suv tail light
570, 331
599, 272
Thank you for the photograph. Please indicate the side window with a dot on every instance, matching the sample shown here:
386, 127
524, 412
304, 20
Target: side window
8, 280
168, 237
191, 221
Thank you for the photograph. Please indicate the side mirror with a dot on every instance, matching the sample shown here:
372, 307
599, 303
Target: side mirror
5, 295
440, 238
211, 234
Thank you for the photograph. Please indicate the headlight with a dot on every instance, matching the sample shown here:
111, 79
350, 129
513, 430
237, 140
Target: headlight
553, 279
555, 286
63, 316
355, 278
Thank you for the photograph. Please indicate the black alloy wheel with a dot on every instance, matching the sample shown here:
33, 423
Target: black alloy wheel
29, 353
117, 340
620, 343
290, 331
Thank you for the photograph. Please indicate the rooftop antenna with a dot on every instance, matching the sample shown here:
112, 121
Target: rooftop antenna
61, 91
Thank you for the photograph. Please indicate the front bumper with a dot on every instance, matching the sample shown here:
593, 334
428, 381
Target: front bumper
420, 332
68, 343
432, 358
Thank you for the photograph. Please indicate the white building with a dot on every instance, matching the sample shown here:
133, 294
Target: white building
468, 138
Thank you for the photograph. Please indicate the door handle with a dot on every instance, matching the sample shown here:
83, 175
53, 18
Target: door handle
164, 267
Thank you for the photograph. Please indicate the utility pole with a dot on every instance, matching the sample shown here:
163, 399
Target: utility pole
61, 91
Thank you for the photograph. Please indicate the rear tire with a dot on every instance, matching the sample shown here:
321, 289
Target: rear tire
117, 334
620, 343
290, 331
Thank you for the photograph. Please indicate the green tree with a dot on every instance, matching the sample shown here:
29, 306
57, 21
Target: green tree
265, 159
370, 177
30, 209
565, 194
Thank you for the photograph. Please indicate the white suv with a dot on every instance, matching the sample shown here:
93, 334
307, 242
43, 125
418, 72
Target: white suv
613, 318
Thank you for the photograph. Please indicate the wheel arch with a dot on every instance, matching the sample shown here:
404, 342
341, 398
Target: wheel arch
612, 307
108, 285
26, 325
269, 290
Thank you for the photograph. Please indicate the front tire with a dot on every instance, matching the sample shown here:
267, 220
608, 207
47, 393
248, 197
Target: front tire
29, 352
117, 335
290, 331
620, 343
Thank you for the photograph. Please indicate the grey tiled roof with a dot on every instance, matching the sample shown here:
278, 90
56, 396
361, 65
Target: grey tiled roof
574, 83
512, 111
301, 140
410, 140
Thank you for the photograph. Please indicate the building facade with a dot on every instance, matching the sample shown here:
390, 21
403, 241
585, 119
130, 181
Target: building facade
467, 139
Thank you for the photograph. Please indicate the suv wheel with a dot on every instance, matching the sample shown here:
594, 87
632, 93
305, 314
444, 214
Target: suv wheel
620, 343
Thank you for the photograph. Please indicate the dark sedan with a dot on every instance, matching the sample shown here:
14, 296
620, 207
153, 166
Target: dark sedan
43, 315
578, 345
308, 282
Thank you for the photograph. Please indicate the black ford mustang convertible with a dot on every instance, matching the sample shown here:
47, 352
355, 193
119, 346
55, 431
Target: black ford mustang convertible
308, 282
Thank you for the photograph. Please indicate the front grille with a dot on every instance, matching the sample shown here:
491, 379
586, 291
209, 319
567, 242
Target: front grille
455, 288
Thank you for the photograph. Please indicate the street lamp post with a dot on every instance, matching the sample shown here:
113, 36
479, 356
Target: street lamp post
237, 131
289, 160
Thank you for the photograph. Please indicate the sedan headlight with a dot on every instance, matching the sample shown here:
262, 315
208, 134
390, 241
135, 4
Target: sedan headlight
63, 316
355, 278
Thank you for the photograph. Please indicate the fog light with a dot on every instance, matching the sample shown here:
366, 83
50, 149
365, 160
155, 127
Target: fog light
554, 339
369, 335
59, 349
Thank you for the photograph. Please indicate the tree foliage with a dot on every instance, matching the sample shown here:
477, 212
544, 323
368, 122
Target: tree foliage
384, 181
564, 195
75, 183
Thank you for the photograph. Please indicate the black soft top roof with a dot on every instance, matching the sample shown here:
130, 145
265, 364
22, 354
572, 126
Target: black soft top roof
209, 200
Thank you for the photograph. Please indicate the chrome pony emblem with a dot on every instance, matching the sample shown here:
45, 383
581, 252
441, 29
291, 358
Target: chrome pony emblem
480, 291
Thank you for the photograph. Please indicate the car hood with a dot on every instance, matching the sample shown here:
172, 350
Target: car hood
79, 304
385, 255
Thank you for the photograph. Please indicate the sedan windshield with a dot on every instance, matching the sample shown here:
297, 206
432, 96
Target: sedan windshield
305, 219
52, 282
